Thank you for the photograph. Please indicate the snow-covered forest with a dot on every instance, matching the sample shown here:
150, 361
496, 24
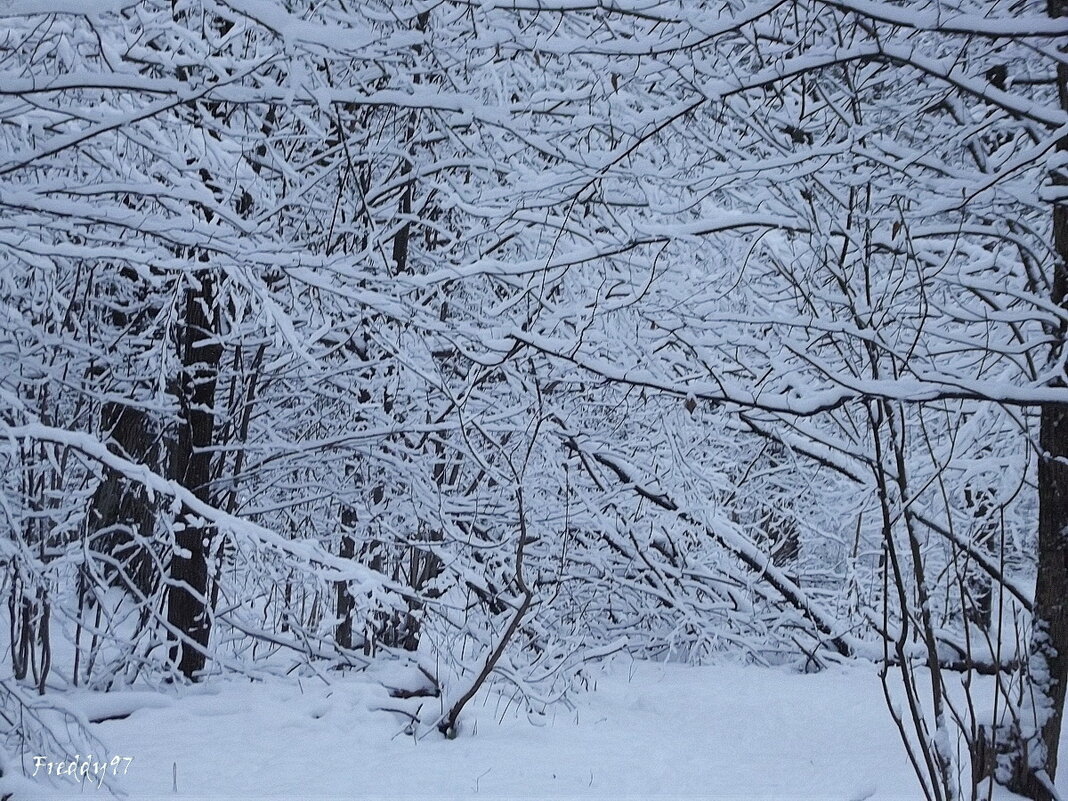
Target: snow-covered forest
452, 365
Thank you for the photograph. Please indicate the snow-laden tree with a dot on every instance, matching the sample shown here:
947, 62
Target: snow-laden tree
871, 185
500, 336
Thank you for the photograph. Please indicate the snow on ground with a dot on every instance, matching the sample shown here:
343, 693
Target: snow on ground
645, 731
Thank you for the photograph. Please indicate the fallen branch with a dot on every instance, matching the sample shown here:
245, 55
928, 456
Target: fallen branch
447, 724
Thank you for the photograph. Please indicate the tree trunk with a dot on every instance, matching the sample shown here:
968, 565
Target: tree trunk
190, 464
122, 517
1034, 758
978, 600
345, 602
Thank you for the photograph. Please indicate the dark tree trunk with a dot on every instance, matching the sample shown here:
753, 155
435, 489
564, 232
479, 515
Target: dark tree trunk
1050, 638
978, 601
345, 602
122, 518
190, 465
1034, 757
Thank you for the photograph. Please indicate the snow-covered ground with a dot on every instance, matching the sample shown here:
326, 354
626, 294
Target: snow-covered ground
643, 731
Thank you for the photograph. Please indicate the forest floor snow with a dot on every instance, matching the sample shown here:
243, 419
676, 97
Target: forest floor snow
646, 731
